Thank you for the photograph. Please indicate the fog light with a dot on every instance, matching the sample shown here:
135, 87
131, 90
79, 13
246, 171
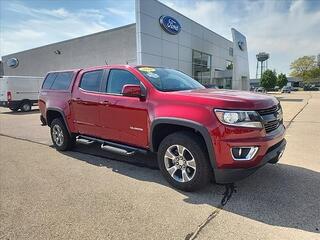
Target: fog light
243, 153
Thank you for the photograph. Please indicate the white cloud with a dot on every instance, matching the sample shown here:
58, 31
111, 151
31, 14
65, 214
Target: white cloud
45, 26
118, 12
284, 29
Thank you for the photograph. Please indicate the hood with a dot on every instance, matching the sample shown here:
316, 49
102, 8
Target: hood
231, 99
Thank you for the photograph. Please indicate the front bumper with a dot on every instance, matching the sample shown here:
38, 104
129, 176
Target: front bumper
231, 175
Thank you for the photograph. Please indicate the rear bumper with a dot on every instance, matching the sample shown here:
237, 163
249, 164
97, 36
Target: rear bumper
10, 104
235, 174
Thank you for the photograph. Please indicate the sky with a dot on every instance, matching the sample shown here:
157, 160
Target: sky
286, 29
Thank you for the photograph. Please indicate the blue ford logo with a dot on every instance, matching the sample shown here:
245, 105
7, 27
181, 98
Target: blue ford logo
170, 25
241, 45
12, 63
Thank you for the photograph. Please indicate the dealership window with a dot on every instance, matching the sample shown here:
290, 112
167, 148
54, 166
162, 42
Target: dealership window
225, 83
201, 66
231, 51
91, 81
118, 78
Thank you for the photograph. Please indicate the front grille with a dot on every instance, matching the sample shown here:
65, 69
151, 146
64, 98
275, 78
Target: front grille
268, 111
272, 117
271, 126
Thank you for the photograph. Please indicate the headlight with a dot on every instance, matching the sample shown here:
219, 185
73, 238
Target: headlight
239, 118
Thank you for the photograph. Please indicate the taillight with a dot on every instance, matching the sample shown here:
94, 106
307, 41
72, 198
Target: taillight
9, 96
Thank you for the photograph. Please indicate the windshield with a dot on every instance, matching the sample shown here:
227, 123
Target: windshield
167, 80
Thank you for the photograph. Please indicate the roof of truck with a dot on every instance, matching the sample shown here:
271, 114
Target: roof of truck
104, 66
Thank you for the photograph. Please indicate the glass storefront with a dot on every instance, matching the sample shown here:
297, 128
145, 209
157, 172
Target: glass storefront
225, 83
201, 71
201, 66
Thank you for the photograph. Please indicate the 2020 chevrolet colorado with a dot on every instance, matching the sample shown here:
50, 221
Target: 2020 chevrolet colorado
197, 133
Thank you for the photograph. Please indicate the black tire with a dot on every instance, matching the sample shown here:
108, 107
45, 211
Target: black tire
26, 106
68, 140
195, 146
14, 109
274, 160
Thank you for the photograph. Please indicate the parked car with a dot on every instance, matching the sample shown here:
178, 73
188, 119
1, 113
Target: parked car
261, 89
19, 92
198, 134
211, 86
286, 89
310, 88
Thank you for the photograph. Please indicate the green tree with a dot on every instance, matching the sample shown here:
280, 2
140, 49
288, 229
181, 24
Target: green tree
302, 66
230, 66
313, 75
269, 79
282, 80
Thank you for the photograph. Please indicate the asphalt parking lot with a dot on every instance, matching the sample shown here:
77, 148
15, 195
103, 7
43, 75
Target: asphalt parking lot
45, 194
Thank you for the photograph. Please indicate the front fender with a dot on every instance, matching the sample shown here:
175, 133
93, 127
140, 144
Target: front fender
185, 123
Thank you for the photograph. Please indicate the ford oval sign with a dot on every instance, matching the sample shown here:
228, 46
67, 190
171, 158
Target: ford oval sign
12, 63
241, 45
170, 25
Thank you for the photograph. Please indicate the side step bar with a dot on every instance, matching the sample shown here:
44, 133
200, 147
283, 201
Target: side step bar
84, 141
111, 146
116, 150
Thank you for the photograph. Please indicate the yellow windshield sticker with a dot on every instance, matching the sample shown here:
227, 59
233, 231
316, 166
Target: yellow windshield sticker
147, 69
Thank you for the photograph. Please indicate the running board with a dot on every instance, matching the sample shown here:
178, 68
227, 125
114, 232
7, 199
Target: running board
84, 141
116, 150
111, 146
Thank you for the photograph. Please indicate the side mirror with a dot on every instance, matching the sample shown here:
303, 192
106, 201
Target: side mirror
131, 90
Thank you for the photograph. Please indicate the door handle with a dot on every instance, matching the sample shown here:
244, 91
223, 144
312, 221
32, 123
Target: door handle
105, 103
78, 100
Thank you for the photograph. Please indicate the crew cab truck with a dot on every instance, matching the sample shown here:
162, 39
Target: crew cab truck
198, 134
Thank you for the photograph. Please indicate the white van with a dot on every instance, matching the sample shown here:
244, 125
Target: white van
19, 92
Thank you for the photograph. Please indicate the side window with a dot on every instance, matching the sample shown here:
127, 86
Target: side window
62, 81
118, 78
91, 81
47, 83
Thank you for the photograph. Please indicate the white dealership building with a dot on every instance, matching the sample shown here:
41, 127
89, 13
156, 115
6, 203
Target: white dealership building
161, 36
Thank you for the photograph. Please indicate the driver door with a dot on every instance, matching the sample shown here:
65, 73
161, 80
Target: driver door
123, 119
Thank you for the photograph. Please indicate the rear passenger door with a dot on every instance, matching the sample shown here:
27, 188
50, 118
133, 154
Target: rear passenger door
85, 102
123, 119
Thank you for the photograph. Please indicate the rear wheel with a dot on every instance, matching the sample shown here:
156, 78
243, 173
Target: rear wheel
183, 161
26, 106
60, 136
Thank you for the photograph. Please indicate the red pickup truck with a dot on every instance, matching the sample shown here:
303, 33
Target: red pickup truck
197, 133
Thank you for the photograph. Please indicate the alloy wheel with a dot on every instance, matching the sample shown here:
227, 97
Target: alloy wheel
180, 163
26, 107
57, 135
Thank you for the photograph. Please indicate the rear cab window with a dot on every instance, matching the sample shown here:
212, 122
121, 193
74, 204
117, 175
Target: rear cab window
57, 81
47, 83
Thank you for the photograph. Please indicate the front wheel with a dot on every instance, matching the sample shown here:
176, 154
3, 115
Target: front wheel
60, 136
183, 161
